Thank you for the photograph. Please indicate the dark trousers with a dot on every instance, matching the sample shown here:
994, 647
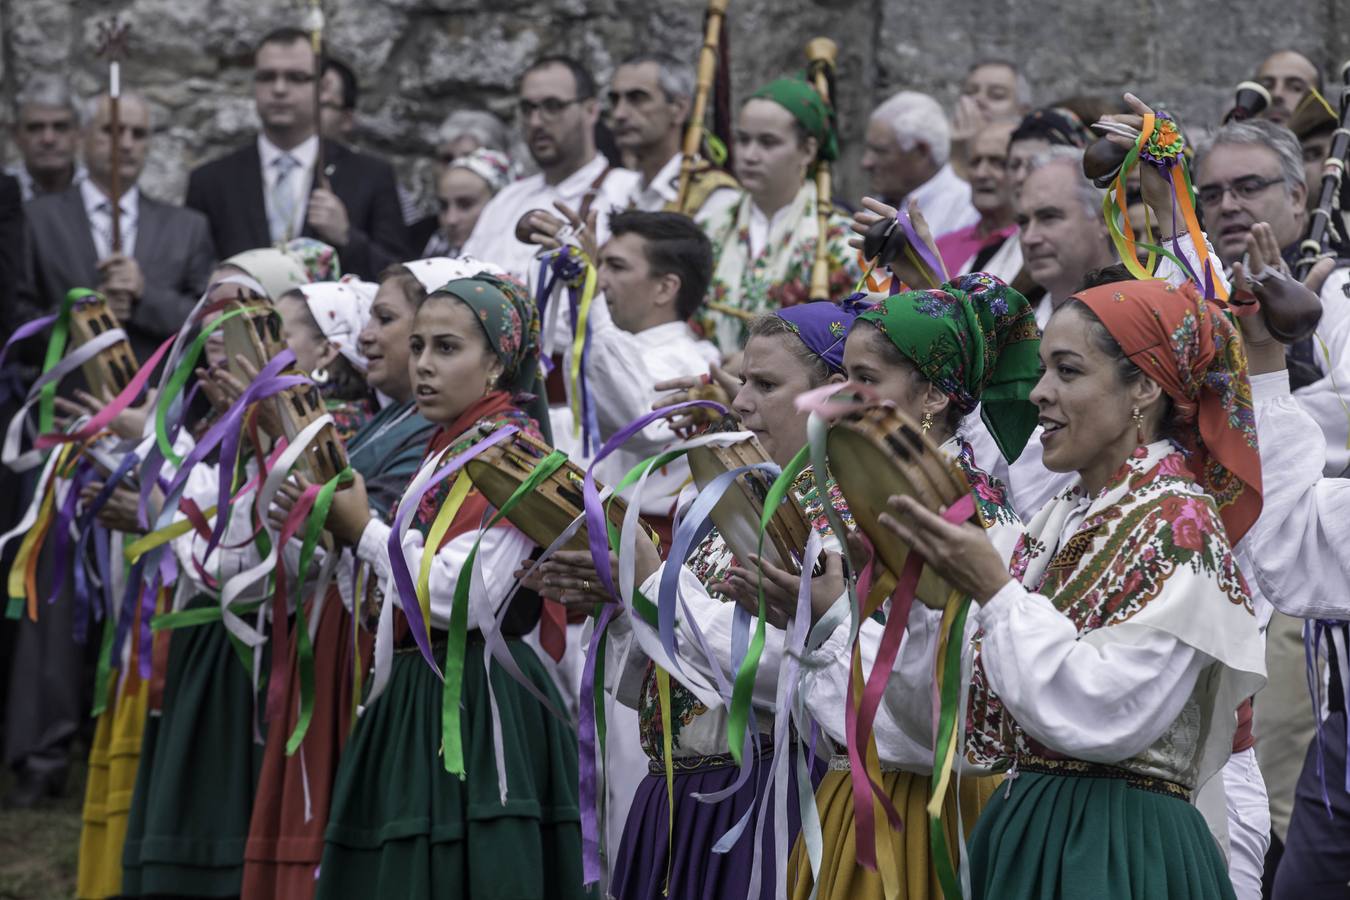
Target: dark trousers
1316, 860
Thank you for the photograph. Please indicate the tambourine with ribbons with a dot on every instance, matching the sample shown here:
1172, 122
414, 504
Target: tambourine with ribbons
738, 513
255, 335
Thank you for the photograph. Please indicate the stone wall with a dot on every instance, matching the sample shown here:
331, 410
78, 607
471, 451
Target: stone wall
420, 59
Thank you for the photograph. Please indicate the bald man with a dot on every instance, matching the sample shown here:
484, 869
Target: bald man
1289, 76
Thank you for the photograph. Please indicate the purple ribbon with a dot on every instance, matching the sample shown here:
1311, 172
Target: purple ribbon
398, 564
26, 330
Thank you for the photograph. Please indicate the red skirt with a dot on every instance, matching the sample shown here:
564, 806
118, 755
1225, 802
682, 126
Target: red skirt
281, 859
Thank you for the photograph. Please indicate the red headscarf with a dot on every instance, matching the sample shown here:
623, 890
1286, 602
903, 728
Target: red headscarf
1190, 348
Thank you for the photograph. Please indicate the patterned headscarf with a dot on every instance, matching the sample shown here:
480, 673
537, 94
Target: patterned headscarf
1190, 348
435, 271
490, 165
823, 326
800, 99
319, 259
276, 270
976, 339
341, 309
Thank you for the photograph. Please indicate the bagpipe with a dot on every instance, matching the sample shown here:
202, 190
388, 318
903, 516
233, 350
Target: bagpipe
1328, 217
702, 173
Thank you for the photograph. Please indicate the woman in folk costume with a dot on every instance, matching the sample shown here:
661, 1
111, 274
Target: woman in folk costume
200, 759
765, 241
290, 809
1109, 668
789, 352
400, 825
936, 355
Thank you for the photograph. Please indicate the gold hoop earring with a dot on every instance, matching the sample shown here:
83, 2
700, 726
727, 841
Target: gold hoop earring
926, 422
1138, 425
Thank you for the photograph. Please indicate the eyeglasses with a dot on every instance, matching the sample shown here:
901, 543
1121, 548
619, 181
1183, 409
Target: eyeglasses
1248, 188
548, 108
290, 76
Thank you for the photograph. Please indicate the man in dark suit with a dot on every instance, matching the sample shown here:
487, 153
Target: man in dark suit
166, 251
268, 191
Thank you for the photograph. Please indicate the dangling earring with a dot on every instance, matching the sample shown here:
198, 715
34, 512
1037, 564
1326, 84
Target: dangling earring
1138, 425
319, 375
926, 422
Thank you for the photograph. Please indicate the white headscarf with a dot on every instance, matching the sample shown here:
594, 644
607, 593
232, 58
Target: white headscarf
342, 308
438, 271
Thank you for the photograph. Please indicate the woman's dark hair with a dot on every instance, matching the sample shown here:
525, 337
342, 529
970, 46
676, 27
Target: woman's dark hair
1125, 368
951, 416
769, 325
344, 381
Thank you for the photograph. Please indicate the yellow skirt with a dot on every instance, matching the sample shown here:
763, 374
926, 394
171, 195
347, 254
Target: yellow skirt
113, 760
841, 878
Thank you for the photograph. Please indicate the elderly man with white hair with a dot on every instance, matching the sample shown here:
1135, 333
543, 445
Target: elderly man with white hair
906, 157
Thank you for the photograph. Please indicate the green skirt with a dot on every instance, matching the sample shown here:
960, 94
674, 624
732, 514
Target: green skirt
199, 768
401, 826
1066, 837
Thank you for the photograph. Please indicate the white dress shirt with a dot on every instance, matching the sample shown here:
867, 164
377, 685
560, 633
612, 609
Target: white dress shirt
494, 236
98, 209
944, 201
294, 200
622, 368
664, 189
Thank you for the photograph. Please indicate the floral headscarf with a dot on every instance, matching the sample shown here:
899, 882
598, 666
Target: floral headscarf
1190, 348
435, 271
341, 309
823, 326
319, 259
976, 339
490, 165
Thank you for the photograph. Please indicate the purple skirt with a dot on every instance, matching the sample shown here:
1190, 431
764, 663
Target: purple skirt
696, 872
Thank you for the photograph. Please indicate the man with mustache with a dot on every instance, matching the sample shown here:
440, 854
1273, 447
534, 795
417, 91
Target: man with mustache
558, 110
1253, 172
991, 244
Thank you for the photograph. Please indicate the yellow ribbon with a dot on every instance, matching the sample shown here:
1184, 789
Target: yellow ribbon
668, 756
439, 527
141, 546
579, 345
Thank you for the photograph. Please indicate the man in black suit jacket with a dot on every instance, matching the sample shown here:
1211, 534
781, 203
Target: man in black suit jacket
268, 191
153, 287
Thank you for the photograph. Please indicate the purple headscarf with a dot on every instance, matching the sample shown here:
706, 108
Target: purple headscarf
823, 325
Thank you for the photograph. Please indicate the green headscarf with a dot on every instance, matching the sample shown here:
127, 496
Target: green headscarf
800, 99
511, 321
976, 339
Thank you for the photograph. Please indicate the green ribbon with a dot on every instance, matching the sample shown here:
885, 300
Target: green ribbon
304, 648
950, 701
451, 740
104, 670
738, 717
178, 381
